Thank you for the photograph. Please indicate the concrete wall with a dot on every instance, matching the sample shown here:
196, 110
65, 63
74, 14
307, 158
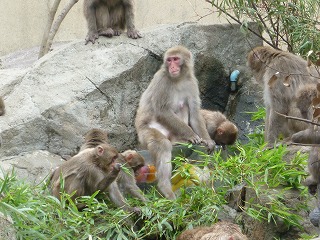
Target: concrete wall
23, 21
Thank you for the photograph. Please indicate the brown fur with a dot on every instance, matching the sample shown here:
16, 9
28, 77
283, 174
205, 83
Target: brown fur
273, 69
219, 231
220, 129
2, 107
168, 112
108, 18
313, 180
90, 170
94, 137
125, 180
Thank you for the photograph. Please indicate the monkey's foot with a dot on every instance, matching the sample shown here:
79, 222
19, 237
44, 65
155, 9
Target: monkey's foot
91, 37
107, 32
133, 33
117, 32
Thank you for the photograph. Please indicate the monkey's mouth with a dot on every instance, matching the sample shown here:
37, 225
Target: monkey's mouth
175, 73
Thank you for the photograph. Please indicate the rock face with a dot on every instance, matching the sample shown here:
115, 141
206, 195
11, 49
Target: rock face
77, 87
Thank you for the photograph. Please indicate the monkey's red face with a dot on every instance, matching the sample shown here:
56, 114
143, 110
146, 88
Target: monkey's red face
173, 64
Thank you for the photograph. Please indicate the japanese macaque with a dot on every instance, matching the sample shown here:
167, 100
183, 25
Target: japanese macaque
90, 170
126, 179
219, 231
2, 107
313, 180
307, 99
220, 129
108, 18
282, 74
169, 112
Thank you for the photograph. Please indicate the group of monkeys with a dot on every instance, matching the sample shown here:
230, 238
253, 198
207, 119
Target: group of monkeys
170, 111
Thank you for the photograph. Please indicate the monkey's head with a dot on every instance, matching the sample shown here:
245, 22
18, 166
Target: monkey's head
96, 135
134, 159
256, 60
226, 134
106, 155
177, 61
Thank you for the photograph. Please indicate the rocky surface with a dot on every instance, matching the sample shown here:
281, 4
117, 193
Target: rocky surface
51, 104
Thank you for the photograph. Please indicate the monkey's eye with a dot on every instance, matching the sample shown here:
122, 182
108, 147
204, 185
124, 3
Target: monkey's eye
175, 59
114, 158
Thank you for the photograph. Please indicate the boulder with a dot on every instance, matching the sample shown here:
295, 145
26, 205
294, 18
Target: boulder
76, 87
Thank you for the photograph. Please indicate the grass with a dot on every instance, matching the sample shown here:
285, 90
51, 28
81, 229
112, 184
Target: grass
37, 215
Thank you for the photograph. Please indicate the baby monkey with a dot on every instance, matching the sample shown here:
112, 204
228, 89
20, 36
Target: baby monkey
220, 129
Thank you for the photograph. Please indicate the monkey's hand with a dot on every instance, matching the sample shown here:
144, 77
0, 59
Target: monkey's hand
195, 139
133, 33
115, 171
135, 210
91, 37
210, 144
117, 167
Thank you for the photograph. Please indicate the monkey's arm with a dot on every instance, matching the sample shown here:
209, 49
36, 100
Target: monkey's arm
105, 179
90, 15
177, 127
131, 187
197, 123
129, 16
116, 196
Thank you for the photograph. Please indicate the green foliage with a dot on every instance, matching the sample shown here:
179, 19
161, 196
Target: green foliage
293, 23
268, 178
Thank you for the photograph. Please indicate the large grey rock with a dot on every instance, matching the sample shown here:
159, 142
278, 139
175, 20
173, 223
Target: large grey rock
78, 87
33, 167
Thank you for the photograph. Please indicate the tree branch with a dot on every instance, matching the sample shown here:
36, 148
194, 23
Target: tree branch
298, 119
57, 23
52, 13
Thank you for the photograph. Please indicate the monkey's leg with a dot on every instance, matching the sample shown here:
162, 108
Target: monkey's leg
160, 150
132, 188
277, 126
106, 32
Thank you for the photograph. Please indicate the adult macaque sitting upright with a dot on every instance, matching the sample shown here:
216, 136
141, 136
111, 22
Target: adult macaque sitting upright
169, 112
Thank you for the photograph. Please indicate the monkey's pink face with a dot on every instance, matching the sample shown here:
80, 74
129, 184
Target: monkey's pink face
173, 64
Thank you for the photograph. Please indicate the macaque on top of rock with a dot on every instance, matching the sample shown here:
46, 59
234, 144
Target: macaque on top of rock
109, 18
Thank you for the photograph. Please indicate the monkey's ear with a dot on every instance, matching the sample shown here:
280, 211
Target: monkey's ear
129, 157
219, 131
100, 150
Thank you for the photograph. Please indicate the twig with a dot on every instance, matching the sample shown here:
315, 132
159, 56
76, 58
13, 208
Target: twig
239, 22
304, 144
296, 118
